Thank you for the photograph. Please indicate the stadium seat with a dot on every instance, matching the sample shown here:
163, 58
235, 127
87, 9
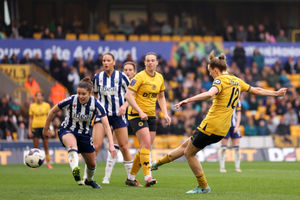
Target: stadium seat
144, 38
71, 36
295, 130
217, 38
133, 38
197, 38
176, 38
94, 37
165, 38
174, 140
83, 36
155, 38
37, 35
109, 37
120, 37
160, 142
208, 38
186, 38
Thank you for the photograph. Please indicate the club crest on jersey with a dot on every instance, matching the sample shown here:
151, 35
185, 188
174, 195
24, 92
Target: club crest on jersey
153, 87
74, 106
217, 82
132, 83
140, 123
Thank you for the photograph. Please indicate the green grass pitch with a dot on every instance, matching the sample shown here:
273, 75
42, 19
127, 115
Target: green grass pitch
258, 181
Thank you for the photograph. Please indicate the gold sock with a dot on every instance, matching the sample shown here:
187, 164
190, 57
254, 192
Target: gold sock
48, 158
145, 161
202, 182
164, 160
136, 165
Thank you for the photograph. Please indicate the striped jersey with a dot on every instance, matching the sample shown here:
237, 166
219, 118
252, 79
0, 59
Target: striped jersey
79, 117
111, 90
234, 116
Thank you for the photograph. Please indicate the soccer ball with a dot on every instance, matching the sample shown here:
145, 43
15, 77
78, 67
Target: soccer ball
34, 158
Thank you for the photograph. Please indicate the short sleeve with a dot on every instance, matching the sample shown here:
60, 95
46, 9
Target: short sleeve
135, 83
95, 83
244, 86
125, 80
162, 88
65, 102
100, 110
30, 110
218, 83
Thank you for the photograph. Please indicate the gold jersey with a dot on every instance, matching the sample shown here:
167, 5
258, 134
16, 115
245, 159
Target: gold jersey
146, 89
39, 113
218, 118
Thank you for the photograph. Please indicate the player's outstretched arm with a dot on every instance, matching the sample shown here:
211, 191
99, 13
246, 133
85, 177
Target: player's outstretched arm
263, 92
199, 97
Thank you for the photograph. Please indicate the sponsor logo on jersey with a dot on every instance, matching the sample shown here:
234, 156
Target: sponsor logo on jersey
153, 87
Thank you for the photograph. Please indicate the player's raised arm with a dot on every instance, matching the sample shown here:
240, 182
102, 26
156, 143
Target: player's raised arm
263, 92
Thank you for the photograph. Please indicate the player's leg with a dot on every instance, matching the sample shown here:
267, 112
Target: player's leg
35, 138
173, 155
98, 136
90, 160
70, 142
110, 162
190, 154
46, 148
237, 157
224, 143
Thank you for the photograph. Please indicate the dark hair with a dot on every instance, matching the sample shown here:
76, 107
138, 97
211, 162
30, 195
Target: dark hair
218, 62
86, 83
39, 92
152, 53
108, 53
130, 63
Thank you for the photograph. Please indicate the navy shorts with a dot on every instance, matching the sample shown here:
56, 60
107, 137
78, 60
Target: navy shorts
85, 142
233, 135
201, 140
115, 121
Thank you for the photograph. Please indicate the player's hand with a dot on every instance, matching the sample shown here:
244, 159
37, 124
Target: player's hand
112, 151
46, 132
236, 129
121, 111
143, 116
180, 104
30, 133
168, 119
281, 92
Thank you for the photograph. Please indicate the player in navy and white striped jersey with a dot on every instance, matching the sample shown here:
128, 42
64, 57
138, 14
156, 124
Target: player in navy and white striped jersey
235, 135
75, 132
110, 87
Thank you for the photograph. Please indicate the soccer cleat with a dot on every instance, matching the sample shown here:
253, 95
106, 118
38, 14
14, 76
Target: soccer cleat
132, 183
197, 190
222, 170
49, 166
80, 183
238, 170
93, 184
76, 174
154, 166
150, 181
105, 180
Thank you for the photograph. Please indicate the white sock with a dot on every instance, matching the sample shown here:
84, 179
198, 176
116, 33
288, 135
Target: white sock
85, 172
73, 158
90, 173
222, 157
128, 166
110, 163
237, 157
131, 177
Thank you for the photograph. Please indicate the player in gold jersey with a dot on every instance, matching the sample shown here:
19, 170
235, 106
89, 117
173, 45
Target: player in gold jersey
225, 91
38, 113
145, 89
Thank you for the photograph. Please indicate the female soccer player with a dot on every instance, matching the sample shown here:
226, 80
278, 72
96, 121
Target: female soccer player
129, 70
145, 89
110, 86
235, 135
75, 132
225, 91
38, 113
